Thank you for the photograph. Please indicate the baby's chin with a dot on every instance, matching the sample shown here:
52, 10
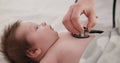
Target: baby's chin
57, 36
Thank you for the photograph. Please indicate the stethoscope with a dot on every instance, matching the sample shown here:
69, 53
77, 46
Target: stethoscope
113, 14
84, 35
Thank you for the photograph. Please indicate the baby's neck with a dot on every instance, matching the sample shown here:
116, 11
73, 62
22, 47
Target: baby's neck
45, 52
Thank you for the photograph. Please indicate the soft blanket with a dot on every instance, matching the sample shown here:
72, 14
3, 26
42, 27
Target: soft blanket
103, 49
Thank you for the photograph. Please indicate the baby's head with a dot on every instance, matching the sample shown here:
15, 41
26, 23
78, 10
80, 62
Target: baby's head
27, 42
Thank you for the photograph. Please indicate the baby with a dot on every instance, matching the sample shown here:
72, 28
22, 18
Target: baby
27, 42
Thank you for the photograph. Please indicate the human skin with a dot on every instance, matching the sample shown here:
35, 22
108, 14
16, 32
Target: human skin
48, 46
67, 49
71, 20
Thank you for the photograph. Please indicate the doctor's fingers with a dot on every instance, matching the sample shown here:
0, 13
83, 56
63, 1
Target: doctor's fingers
75, 18
91, 19
68, 23
69, 26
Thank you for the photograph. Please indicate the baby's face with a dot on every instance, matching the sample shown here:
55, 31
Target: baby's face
38, 35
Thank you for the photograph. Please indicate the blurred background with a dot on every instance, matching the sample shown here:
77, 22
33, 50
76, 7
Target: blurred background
50, 11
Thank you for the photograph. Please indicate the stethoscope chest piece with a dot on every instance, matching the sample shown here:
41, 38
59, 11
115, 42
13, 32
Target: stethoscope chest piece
82, 34
85, 33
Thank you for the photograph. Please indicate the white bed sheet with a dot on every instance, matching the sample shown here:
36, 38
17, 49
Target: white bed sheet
50, 11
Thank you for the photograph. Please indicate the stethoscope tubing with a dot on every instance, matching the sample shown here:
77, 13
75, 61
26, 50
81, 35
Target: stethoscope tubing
114, 14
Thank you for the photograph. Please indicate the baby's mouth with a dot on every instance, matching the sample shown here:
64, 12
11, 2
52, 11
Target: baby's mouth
51, 28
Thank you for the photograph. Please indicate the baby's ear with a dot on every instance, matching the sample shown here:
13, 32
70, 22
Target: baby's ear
33, 53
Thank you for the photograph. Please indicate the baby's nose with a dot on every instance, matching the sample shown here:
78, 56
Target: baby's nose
43, 24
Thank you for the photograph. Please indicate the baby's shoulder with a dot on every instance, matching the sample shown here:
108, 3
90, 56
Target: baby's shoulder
49, 58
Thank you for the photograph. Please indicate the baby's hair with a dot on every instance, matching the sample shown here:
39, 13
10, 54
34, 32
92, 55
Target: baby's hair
15, 49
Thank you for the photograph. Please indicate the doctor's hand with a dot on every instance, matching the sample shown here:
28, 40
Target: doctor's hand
71, 20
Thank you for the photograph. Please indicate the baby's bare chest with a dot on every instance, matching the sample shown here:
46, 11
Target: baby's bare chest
70, 52
71, 49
